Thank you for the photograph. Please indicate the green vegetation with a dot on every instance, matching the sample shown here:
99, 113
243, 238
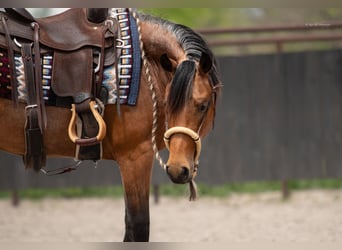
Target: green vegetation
199, 18
75, 192
178, 190
237, 17
265, 186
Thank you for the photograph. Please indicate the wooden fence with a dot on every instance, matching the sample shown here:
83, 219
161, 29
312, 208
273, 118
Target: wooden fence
279, 117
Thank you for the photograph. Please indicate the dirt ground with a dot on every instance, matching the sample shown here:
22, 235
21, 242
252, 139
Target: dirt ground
308, 216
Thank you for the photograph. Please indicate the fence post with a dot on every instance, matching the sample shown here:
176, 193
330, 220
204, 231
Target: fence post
156, 193
15, 198
284, 183
285, 189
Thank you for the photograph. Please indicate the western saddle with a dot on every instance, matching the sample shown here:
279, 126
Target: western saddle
82, 42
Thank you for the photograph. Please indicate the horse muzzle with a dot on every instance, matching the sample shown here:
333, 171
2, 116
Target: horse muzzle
183, 173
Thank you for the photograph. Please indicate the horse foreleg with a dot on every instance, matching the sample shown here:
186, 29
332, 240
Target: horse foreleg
136, 175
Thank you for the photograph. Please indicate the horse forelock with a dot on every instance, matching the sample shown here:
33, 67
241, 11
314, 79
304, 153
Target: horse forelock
181, 86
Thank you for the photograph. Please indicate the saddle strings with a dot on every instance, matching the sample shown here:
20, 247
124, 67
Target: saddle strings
192, 184
62, 170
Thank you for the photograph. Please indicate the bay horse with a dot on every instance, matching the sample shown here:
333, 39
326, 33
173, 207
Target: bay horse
179, 84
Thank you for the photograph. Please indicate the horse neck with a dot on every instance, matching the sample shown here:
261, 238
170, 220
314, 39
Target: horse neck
159, 40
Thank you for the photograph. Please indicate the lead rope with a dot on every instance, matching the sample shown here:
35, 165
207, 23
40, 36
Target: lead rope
192, 184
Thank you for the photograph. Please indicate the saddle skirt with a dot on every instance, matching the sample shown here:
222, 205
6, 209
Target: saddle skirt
128, 68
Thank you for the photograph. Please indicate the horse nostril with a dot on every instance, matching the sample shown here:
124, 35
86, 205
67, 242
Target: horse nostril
185, 172
178, 174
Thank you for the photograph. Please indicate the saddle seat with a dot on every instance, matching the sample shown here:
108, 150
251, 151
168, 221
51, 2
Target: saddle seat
70, 31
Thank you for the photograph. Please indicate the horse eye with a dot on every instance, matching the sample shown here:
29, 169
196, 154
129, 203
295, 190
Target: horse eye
203, 107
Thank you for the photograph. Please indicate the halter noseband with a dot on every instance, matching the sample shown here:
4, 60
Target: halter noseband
189, 132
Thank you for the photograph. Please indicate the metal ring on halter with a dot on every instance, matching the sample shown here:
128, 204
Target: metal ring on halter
189, 132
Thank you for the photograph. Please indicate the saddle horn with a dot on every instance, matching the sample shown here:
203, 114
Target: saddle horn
97, 15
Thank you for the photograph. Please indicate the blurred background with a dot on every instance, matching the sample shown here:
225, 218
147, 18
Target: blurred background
278, 123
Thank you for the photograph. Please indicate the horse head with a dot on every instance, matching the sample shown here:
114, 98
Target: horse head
190, 112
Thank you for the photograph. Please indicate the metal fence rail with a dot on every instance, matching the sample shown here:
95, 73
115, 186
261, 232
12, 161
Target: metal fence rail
273, 28
274, 34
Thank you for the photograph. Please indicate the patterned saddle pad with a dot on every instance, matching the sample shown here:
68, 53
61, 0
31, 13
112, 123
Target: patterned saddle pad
129, 64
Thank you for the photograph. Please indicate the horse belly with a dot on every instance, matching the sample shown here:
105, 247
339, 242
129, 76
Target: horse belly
12, 122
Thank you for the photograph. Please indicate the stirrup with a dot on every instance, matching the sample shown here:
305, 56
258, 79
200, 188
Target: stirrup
86, 141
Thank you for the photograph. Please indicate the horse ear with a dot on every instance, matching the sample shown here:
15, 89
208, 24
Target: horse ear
205, 63
166, 63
